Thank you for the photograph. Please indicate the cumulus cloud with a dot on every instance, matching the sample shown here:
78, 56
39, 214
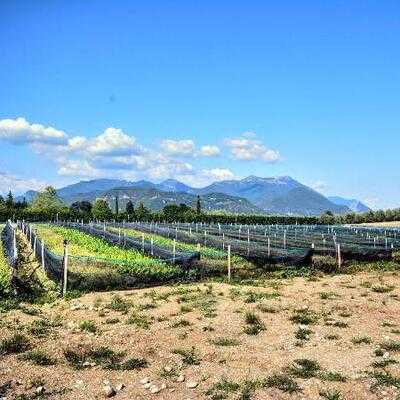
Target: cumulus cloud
319, 186
18, 185
78, 168
209, 151
178, 147
111, 142
113, 153
246, 147
205, 177
20, 131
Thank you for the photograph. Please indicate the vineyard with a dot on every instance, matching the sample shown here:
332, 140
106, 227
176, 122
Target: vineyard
107, 255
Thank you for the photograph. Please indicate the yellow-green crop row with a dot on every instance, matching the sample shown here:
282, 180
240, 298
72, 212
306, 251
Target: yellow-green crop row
167, 243
83, 245
5, 270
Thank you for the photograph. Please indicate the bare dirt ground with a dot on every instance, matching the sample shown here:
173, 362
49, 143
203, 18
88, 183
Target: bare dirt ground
391, 224
211, 341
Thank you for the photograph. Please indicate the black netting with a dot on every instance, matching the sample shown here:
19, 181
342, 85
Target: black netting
51, 263
356, 243
9, 244
260, 254
180, 258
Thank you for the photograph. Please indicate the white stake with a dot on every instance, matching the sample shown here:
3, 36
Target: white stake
65, 265
229, 262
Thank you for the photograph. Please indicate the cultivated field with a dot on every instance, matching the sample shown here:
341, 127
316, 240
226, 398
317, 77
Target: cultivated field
325, 330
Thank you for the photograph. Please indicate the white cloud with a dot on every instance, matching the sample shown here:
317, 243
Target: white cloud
78, 168
178, 147
20, 131
113, 153
111, 142
18, 185
246, 148
319, 186
209, 151
205, 177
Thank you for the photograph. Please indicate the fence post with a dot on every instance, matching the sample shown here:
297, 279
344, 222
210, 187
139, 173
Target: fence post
174, 250
151, 243
42, 251
15, 245
229, 262
198, 247
339, 256
142, 243
65, 269
269, 246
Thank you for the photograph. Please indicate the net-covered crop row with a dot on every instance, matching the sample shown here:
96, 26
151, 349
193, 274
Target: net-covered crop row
8, 258
92, 263
184, 259
355, 243
52, 263
252, 251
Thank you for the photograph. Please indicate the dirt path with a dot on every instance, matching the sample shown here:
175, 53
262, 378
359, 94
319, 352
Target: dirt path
346, 326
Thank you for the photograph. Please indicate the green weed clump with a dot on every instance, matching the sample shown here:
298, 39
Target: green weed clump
14, 344
304, 317
189, 357
254, 325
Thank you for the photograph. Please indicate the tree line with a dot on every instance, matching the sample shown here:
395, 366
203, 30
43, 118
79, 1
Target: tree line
47, 205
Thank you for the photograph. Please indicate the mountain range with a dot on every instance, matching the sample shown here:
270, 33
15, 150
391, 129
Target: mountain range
252, 195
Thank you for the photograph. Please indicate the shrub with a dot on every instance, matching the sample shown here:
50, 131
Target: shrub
38, 357
15, 344
325, 264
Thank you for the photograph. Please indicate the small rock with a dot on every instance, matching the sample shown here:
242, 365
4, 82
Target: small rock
144, 380
164, 386
180, 378
109, 391
386, 355
167, 368
154, 389
40, 390
120, 386
192, 384
147, 385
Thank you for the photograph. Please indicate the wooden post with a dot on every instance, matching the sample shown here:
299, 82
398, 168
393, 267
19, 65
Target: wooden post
151, 244
223, 241
65, 268
15, 245
198, 247
174, 250
229, 262
269, 246
42, 251
339, 256
142, 243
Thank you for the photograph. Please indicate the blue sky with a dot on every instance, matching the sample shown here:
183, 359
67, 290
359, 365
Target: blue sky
202, 91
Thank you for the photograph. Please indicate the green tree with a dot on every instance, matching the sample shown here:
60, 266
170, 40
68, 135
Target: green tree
10, 201
142, 212
198, 205
101, 210
116, 205
48, 201
130, 209
81, 207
